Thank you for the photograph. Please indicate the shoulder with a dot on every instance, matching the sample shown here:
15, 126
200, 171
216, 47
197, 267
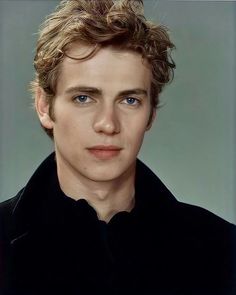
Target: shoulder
6, 212
6, 207
162, 207
208, 232
199, 218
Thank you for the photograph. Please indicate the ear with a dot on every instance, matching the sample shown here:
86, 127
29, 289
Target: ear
151, 120
42, 108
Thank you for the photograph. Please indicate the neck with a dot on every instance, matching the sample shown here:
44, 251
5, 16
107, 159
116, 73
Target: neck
106, 197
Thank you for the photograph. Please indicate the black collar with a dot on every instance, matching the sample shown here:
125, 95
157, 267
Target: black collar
37, 200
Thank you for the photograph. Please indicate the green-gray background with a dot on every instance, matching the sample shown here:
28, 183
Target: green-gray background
192, 144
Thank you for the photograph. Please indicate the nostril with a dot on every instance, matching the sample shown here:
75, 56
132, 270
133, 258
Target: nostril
106, 127
107, 123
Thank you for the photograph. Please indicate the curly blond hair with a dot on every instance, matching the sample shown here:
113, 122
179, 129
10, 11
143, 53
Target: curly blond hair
101, 23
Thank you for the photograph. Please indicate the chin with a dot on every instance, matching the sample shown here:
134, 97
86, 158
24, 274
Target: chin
105, 173
103, 177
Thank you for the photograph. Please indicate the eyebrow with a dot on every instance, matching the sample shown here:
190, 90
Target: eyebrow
97, 91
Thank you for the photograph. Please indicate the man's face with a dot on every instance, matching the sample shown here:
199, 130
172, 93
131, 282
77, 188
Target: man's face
102, 108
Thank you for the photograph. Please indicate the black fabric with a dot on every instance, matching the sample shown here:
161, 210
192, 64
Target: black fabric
52, 244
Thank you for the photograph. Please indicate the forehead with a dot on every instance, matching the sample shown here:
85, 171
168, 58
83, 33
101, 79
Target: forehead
108, 67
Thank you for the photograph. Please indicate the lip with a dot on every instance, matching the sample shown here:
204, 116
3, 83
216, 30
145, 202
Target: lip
104, 152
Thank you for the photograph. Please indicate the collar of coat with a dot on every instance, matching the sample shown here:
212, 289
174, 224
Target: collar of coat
42, 196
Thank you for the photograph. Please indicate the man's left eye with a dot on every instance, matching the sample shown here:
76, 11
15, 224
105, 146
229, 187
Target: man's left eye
131, 101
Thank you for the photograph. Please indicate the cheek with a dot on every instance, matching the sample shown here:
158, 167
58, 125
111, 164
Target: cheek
65, 118
136, 134
73, 130
136, 126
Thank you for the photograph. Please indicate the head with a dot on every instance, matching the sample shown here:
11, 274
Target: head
100, 24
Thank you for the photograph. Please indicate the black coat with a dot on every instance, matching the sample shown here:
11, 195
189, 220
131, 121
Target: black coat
52, 244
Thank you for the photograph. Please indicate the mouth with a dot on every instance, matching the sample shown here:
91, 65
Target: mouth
104, 152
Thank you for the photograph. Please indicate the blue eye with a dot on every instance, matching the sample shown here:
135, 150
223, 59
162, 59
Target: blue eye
131, 101
82, 99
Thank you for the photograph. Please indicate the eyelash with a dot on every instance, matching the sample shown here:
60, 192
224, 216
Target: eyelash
135, 100
79, 96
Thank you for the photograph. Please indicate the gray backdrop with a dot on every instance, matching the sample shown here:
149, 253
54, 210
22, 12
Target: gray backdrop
192, 144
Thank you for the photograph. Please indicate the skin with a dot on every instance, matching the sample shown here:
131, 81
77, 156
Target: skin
104, 100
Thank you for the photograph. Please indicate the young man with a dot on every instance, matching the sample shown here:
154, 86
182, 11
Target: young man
93, 219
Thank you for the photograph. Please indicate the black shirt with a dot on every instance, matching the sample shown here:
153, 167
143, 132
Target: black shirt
52, 244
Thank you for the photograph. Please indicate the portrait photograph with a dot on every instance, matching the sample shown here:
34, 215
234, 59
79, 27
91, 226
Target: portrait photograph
117, 150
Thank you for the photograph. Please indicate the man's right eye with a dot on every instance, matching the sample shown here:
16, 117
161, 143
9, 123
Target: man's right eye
82, 99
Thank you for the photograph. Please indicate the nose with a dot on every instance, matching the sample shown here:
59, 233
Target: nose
106, 120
